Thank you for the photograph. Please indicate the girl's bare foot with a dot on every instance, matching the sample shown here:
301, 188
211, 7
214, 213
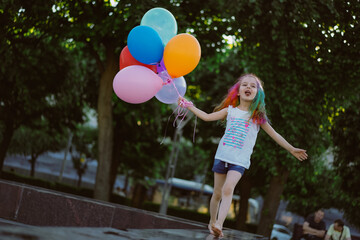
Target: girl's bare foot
210, 228
217, 229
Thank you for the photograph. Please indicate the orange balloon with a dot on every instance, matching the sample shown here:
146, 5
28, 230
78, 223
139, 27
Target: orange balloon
181, 55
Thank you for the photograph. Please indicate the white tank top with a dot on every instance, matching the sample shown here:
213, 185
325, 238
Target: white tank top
236, 146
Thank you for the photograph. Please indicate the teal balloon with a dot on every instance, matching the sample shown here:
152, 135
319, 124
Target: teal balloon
162, 21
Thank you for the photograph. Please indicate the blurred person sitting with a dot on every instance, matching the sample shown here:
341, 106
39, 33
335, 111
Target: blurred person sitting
314, 227
337, 231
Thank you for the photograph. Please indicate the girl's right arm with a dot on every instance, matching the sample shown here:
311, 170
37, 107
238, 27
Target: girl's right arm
300, 154
206, 116
209, 116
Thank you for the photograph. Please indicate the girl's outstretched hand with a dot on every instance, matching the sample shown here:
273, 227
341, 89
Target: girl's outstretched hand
300, 154
182, 102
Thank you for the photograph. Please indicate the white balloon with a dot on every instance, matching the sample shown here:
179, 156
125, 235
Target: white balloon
172, 90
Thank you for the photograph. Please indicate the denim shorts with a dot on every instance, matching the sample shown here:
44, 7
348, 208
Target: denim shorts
223, 167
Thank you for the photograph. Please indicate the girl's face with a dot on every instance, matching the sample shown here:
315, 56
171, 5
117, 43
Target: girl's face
248, 89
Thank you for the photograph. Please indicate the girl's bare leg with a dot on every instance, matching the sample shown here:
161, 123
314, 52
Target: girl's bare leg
232, 178
219, 180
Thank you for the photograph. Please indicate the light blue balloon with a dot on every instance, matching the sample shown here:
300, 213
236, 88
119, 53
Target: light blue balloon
145, 45
172, 90
162, 21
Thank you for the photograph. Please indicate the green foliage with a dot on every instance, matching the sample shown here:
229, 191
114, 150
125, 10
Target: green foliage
41, 77
85, 141
36, 140
305, 54
314, 188
346, 138
35, 70
36, 86
32, 141
193, 161
137, 133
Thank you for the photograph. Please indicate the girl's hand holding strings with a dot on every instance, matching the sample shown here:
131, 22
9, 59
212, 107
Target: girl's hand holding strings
182, 102
180, 99
300, 154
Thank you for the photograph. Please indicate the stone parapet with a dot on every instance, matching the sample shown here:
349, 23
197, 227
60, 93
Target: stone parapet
42, 207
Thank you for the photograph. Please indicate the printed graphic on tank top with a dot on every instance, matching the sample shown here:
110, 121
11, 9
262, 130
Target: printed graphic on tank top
236, 133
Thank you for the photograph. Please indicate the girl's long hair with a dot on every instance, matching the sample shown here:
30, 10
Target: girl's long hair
257, 108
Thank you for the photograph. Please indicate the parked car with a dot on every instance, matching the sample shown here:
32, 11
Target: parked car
280, 232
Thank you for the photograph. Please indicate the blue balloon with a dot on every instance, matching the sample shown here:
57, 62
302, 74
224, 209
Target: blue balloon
145, 45
162, 21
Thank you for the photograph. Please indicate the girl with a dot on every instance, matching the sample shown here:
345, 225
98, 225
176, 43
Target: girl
244, 110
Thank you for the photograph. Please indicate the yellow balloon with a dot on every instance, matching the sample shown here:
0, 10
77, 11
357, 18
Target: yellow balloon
181, 55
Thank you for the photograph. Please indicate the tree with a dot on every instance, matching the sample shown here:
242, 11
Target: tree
85, 141
35, 73
279, 41
36, 140
346, 138
84, 147
137, 147
313, 190
103, 28
337, 56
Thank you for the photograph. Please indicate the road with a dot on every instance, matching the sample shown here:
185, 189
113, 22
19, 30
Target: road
48, 166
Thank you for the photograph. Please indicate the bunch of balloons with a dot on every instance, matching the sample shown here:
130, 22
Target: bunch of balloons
155, 60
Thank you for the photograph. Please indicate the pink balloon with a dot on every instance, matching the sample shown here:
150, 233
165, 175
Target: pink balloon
136, 84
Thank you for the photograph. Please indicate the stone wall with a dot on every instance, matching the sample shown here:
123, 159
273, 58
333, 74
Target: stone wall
42, 207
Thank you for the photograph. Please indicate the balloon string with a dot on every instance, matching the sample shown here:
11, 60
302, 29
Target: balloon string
167, 124
179, 114
172, 81
180, 109
194, 129
185, 104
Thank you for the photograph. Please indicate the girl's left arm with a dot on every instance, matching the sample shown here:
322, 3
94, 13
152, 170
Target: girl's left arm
300, 154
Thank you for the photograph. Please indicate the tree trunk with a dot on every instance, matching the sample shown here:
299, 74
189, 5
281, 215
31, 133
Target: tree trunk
5, 142
245, 188
105, 120
32, 163
272, 201
116, 155
138, 195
